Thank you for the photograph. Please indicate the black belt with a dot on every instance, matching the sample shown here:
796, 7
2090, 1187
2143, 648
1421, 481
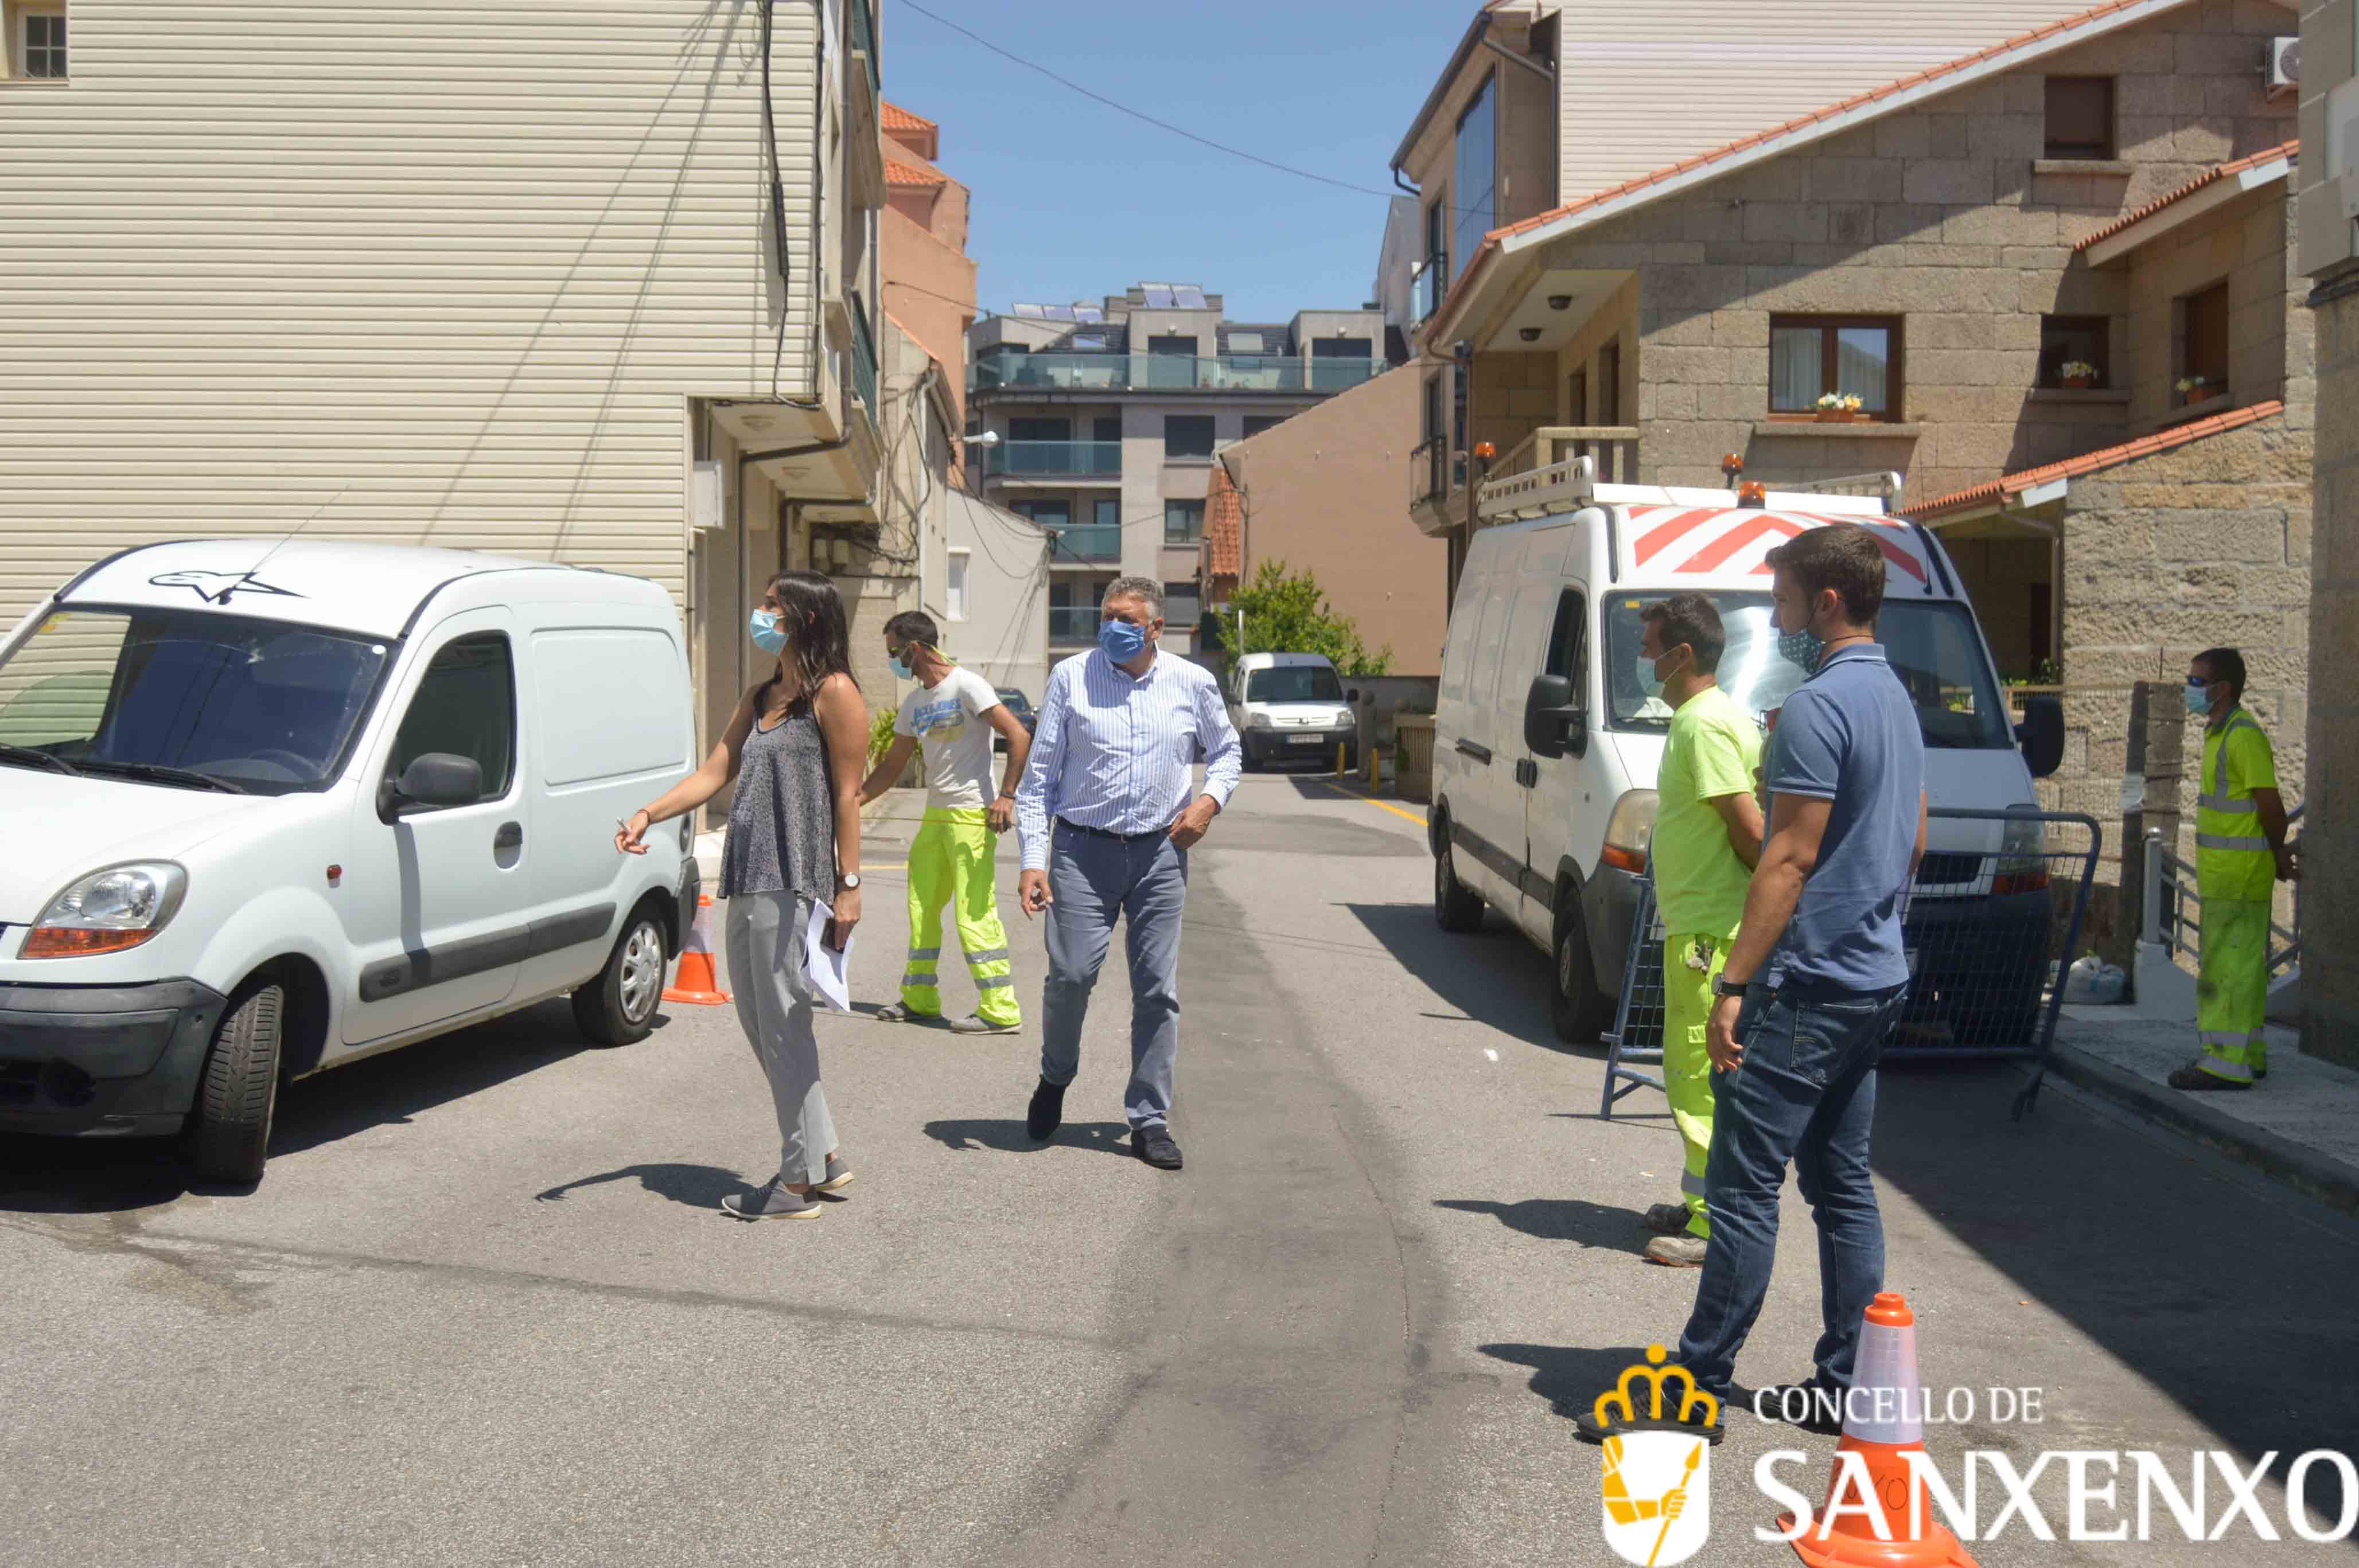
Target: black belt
1103, 833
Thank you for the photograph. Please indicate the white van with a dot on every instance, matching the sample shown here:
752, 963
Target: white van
1292, 708
271, 809
1545, 750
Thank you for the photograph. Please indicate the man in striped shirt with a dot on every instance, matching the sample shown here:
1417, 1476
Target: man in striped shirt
1106, 814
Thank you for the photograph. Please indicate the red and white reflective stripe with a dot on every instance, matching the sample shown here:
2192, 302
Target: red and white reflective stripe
1701, 541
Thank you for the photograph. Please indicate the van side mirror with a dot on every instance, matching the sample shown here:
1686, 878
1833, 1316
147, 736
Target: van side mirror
2041, 734
1352, 695
434, 779
1553, 723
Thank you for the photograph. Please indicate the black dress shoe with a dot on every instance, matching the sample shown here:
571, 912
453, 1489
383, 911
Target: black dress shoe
1154, 1145
1814, 1406
1048, 1112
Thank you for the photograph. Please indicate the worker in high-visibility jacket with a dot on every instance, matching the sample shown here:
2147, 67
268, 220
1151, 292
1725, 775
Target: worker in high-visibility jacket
1707, 839
2240, 856
954, 714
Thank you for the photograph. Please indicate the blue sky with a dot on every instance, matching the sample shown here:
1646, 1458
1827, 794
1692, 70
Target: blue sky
1073, 200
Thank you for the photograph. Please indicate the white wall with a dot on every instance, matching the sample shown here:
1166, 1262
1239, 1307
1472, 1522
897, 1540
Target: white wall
1005, 632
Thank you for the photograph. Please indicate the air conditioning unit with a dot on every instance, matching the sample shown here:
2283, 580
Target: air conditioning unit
2284, 64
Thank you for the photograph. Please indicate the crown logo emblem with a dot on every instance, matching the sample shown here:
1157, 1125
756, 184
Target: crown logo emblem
1617, 1408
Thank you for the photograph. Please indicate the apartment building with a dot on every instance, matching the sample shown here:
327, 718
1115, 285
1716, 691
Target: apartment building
2057, 271
1103, 420
594, 283
2330, 259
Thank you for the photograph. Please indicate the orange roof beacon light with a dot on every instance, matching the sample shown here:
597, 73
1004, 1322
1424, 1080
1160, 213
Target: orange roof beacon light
1485, 450
1731, 466
1752, 492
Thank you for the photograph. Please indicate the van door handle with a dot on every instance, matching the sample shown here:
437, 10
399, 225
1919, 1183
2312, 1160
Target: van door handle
509, 837
1527, 773
1480, 754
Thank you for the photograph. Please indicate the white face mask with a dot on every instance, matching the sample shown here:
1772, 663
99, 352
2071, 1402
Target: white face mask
1649, 684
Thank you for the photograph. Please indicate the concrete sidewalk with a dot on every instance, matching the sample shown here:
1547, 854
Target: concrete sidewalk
2299, 1127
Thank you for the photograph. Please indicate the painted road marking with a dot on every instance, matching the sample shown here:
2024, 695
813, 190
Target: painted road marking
1379, 805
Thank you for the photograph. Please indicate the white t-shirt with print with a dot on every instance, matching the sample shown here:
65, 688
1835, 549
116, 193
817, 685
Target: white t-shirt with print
947, 722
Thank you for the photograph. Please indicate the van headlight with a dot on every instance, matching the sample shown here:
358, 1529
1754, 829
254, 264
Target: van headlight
1630, 830
2022, 858
108, 910
1257, 720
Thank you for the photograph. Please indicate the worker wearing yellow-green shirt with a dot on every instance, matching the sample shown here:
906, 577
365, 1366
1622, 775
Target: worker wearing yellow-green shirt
1707, 837
2240, 856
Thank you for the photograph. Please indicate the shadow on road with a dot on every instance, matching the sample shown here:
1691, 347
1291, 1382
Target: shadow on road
1009, 1137
696, 1186
1568, 1376
1604, 1227
1493, 976
91, 1176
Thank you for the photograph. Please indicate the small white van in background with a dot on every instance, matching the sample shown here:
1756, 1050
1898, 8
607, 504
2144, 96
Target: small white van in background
1545, 749
1292, 708
274, 807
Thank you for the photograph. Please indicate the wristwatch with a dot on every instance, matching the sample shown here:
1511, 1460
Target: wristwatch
1723, 986
849, 881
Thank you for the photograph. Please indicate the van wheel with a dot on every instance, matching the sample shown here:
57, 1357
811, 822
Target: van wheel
1456, 907
618, 1007
229, 1130
1576, 1007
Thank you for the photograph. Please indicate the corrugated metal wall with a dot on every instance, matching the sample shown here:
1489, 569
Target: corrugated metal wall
462, 260
1644, 83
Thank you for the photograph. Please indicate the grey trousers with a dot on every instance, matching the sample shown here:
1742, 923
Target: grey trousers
1092, 880
765, 940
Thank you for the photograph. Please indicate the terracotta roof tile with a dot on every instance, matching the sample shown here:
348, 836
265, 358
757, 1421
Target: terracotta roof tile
2090, 462
893, 117
1490, 245
2290, 151
909, 174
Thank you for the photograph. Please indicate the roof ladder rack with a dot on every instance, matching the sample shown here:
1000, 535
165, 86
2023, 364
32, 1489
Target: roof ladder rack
1885, 485
1559, 487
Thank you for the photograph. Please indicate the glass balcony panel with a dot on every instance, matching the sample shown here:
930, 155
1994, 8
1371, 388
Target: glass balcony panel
1072, 623
1057, 458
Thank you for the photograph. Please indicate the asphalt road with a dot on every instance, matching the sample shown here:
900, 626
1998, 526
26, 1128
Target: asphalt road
482, 1310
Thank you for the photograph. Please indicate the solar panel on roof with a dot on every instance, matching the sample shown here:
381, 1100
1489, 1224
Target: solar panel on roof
1088, 313
1058, 312
1190, 297
1158, 295
1034, 311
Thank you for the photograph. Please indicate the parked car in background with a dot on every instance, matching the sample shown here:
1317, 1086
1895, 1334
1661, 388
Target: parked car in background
298, 804
1292, 708
1016, 703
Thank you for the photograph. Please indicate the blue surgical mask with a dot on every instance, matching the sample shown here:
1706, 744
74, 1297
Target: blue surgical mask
2199, 701
1122, 640
1804, 649
899, 666
763, 626
1649, 684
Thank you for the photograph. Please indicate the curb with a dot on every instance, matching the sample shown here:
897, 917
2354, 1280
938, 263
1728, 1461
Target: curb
2305, 1170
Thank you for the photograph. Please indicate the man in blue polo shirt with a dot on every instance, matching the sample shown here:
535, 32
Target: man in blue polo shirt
1817, 971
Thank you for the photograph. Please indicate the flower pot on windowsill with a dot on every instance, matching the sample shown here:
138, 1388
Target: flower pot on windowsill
1836, 416
2080, 383
2195, 394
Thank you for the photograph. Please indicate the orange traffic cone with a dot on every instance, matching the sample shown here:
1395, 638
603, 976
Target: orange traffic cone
695, 984
1882, 1432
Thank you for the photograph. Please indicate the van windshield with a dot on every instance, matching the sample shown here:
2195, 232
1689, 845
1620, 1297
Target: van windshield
1934, 650
254, 706
1294, 683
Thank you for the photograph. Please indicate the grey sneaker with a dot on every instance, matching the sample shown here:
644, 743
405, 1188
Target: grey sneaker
771, 1200
1676, 1251
1667, 1218
839, 1176
894, 1013
975, 1023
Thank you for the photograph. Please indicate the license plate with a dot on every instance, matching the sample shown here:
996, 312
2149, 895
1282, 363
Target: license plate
1305, 740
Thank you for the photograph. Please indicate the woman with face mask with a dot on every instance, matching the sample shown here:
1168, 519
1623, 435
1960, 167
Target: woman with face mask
796, 748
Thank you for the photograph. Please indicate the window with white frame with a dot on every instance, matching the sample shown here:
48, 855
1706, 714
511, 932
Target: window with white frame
954, 595
36, 42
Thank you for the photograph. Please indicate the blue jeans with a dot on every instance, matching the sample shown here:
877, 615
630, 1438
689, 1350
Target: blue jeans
1093, 880
1806, 1093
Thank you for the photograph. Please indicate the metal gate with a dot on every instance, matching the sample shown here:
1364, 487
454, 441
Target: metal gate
1994, 918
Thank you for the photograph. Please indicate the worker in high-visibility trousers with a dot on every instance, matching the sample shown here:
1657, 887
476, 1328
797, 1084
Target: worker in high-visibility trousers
953, 714
1707, 839
2240, 855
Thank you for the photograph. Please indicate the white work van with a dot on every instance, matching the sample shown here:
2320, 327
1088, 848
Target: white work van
1292, 708
274, 808
1545, 749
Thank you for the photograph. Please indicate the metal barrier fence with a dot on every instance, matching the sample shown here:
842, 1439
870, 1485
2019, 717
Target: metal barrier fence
1994, 915
2173, 916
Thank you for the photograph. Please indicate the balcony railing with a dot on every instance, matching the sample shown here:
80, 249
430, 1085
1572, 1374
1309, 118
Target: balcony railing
1056, 458
864, 41
1074, 624
863, 358
1434, 471
1092, 543
1170, 372
1615, 448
